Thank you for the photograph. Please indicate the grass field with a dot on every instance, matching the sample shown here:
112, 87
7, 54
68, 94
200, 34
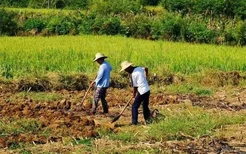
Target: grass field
34, 55
198, 92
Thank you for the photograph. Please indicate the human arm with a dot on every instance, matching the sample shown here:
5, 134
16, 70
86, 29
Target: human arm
99, 75
146, 72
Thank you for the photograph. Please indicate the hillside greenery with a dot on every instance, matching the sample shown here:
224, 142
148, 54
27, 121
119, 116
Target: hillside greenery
213, 21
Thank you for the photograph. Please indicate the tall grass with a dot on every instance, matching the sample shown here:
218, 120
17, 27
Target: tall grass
34, 55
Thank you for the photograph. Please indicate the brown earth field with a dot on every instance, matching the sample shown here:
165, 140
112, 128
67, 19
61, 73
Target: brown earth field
62, 125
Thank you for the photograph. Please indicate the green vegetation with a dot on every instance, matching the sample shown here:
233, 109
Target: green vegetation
192, 121
19, 126
71, 4
45, 63
85, 141
183, 121
213, 21
40, 55
41, 96
124, 136
188, 88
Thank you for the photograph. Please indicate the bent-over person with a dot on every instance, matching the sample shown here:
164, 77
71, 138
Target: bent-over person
141, 90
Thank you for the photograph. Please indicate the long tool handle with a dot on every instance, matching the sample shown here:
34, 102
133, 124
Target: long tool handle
118, 117
83, 99
126, 105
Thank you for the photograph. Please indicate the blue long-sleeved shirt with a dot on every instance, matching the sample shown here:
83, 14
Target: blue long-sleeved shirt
103, 75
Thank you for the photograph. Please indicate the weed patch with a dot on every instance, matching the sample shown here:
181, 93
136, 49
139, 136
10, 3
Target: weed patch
191, 121
41, 96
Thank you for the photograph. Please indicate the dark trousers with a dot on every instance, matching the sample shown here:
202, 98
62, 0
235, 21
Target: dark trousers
144, 99
100, 93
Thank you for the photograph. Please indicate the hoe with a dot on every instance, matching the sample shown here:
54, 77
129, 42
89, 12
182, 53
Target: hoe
118, 117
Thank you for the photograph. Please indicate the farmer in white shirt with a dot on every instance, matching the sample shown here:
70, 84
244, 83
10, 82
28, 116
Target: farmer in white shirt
141, 90
101, 83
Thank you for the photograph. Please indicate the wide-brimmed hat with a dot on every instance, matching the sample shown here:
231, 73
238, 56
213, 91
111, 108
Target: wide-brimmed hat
125, 65
99, 55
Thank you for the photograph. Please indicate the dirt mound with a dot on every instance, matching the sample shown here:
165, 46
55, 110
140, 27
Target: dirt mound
53, 116
166, 80
229, 78
221, 100
34, 84
53, 82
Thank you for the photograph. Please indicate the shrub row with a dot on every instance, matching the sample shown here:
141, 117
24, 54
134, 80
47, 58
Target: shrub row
227, 8
166, 26
7, 24
71, 4
79, 4
218, 8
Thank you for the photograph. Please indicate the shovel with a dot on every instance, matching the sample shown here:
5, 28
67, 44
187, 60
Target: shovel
118, 117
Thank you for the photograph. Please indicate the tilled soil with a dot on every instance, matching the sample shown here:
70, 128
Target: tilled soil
67, 117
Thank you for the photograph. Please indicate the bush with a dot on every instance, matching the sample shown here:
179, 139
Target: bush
37, 4
198, 32
117, 7
138, 26
230, 36
167, 27
150, 2
7, 24
87, 22
76, 4
240, 9
14, 3
214, 8
111, 26
183, 6
242, 34
47, 4
60, 4
97, 24
100, 25
172, 27
62, 25
211, 7
34, 23
156, 29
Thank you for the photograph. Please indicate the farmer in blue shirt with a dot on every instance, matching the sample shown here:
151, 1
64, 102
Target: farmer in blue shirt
101, 83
